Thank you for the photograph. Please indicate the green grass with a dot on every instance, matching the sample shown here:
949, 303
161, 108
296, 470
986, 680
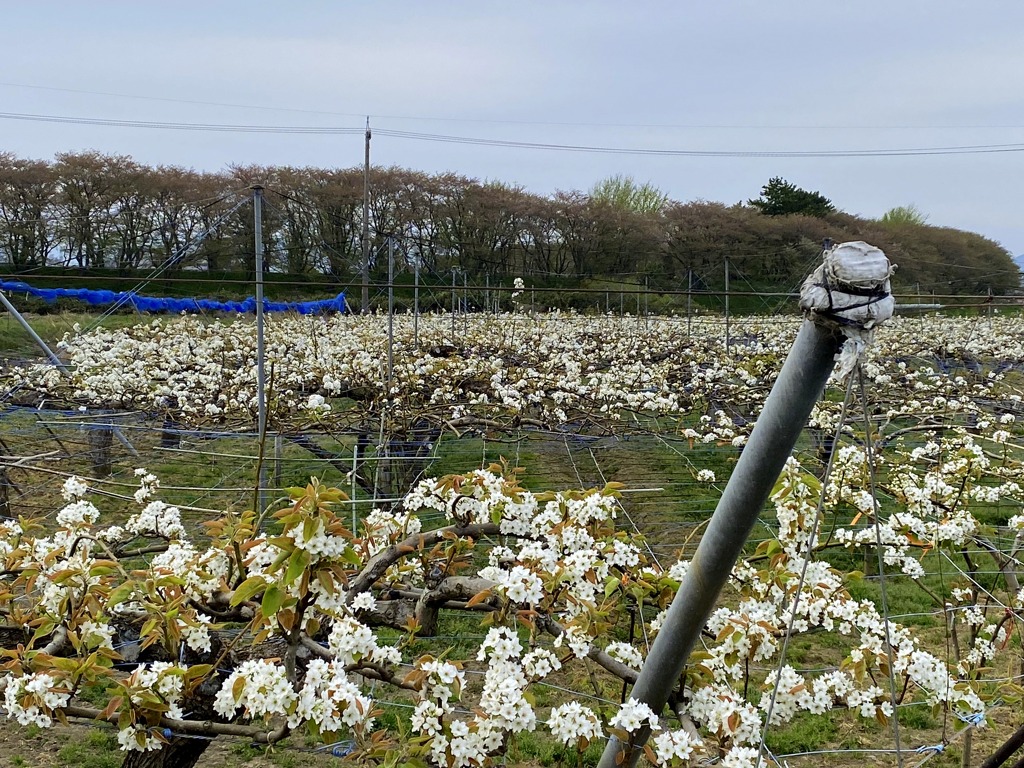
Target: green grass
96, 749
15, 341
806, 732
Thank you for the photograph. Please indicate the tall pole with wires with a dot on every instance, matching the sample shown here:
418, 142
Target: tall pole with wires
366, 223
391, 309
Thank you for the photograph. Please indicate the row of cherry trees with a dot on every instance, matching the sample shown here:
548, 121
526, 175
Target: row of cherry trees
90, 211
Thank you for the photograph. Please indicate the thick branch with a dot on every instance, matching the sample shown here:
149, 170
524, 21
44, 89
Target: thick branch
595, 654
380, 562
197, 727
365, 668
60, 636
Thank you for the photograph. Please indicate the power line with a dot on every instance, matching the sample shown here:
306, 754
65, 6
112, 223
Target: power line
969, 149
213, 127
899, 152
506, 121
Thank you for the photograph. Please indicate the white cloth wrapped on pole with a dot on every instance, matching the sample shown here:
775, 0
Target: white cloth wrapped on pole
850, 289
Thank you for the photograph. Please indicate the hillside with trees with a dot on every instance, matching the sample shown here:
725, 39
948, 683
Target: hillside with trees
89, 211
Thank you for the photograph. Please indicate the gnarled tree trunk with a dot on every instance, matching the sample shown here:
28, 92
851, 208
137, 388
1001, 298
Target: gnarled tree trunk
181, 752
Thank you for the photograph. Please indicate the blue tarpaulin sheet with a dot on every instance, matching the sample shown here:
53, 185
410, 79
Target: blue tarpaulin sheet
166, 304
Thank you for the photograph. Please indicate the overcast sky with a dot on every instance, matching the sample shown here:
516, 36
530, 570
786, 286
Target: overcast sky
732, 77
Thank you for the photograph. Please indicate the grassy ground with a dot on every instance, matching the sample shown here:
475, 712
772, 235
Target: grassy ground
17, 343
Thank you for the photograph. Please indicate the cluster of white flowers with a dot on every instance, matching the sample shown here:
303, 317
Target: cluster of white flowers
539, 663
444, 682
77, 514
259, 687
316, 404
203, 573
502, 698
632, 715
382, 528
96, 635
74, 488
572, 722
519, 584
167, 682
351, 641
329, 699
157, 518
31, 699
318, 542
626, 653
672, 746
149, 484
195, 631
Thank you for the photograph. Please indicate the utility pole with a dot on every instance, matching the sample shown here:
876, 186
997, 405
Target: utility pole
391, 309
366, 223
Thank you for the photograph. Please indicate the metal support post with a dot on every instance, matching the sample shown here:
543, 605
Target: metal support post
727, 339
261, 373
416, 304
453, 305
57, 362
689, 299
799, 386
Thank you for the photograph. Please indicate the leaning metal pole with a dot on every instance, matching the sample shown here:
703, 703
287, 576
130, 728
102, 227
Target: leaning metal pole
798, 387
57, 362
845, 298
32, 333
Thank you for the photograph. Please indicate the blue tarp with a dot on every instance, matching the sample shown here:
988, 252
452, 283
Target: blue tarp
165, 304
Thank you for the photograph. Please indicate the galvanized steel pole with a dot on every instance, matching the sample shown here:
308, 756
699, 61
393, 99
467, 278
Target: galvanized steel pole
799, 386
261, 373
32, 333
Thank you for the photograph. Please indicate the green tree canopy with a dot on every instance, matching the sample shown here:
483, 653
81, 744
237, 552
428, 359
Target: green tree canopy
779, 198
904, 214
624, 193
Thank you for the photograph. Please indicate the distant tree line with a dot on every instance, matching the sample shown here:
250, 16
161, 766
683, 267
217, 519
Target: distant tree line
94, 211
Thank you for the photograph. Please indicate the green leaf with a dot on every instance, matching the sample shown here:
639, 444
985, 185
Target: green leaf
273, 599
198, 670
351, 556
247, 589
298, 563
121, 593
610, 586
